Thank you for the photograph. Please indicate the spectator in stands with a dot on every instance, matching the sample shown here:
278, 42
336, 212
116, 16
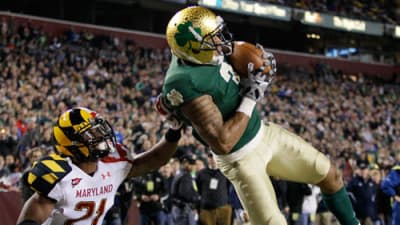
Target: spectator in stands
175, 166
391, 187
8, 143
240, 216
213, 188
166, 200
149, 189
12, 180
280, 187
309, 207
3, 169
33, 155
185, 198
382, 201
10, 160
363, 188
200, 164
296, 192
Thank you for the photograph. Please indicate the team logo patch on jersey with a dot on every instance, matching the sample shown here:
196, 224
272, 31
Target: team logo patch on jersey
75, 181
105, 175
175, 97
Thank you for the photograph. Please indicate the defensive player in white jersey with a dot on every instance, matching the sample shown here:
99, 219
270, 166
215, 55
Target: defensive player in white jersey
77, 185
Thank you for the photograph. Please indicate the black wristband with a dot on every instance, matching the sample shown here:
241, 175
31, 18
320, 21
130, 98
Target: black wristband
28, 222
173, 135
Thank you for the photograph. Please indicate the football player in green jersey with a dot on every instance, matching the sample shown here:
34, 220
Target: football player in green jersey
202, 89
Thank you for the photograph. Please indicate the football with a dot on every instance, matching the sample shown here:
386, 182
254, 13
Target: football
244, 53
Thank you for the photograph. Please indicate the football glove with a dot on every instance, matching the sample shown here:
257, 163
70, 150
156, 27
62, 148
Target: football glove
167, 113
269, 60
255, 86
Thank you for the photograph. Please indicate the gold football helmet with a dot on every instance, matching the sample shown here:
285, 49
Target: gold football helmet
195, 33
83, 135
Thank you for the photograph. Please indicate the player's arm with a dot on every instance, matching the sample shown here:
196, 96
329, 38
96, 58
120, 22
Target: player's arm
160, 153
36, 210
154, 158
207, 120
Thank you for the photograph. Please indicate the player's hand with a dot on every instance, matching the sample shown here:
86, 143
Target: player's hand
255, 86
167, 113
269, 60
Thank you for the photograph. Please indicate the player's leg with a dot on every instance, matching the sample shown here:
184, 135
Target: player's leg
336, 198
296, 160
253, 186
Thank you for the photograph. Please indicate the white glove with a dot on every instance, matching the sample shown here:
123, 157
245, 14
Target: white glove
269, 60
254, 87
258, 81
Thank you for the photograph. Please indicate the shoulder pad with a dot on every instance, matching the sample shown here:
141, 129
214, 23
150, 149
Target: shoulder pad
47, 172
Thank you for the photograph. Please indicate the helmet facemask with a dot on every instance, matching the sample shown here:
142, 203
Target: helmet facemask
220, 40
99, 138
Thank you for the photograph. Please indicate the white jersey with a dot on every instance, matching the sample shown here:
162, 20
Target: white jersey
82, 199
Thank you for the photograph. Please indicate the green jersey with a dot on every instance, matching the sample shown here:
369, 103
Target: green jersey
184, 83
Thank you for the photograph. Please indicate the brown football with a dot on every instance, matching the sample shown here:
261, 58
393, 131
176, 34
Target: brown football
244, 53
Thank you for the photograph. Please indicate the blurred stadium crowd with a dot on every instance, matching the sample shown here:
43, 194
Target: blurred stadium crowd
355, 119
381, 11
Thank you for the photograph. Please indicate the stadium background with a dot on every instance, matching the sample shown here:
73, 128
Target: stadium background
293, 41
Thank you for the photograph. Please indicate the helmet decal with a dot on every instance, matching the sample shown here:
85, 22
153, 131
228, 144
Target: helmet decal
187, 33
